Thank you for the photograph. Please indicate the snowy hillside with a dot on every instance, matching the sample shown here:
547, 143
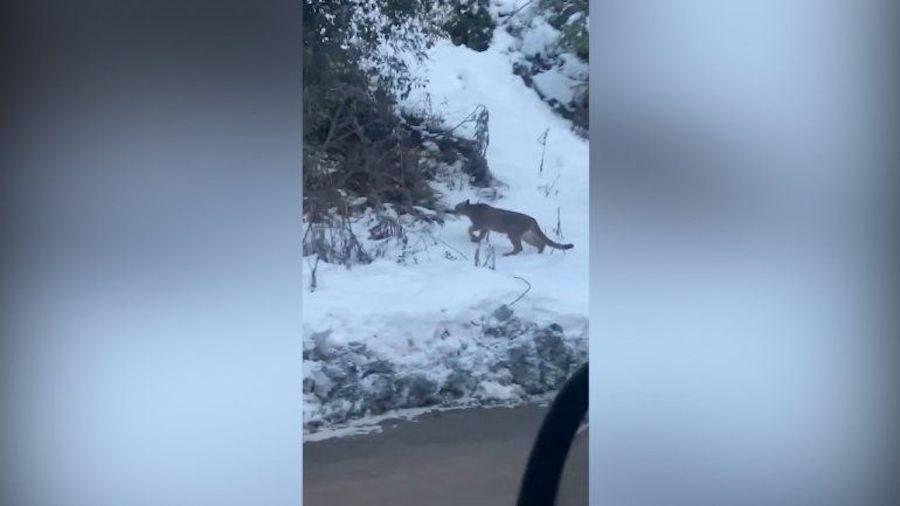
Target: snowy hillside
432, 328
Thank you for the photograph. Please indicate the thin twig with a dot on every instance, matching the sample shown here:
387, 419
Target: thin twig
549, 187
313, 284
333, 126
467, 119
558, 225
448, 245
523, 293
542, 140
491, 257
513, 13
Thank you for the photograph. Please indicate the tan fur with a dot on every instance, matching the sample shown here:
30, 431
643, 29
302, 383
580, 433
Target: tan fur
517, 226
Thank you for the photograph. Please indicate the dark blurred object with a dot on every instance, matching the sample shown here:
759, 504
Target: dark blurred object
544, 470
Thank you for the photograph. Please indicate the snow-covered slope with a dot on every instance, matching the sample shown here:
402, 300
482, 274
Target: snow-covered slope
426, 330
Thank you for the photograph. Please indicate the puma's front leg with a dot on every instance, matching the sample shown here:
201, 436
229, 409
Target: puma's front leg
473, 236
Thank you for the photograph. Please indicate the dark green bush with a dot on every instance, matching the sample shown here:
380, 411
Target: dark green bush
574, 33
354, 144
470, 24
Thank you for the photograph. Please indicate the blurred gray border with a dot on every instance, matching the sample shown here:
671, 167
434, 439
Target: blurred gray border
151, 275
743, 238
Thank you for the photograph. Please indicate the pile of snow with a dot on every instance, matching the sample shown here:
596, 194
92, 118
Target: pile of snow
423, 324
416, 360
556, 74
562, 82
538, 38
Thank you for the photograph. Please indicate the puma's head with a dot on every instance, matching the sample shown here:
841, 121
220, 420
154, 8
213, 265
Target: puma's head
461, 207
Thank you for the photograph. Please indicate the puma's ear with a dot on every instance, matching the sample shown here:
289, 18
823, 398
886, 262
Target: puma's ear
467, 201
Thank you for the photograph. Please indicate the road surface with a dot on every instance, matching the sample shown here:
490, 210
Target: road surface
469, 456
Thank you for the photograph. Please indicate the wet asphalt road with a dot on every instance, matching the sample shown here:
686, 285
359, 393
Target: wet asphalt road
461, 457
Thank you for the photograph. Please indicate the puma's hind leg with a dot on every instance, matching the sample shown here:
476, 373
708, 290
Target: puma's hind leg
531, 238
516, 241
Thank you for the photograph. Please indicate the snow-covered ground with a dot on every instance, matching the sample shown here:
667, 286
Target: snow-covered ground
429, 330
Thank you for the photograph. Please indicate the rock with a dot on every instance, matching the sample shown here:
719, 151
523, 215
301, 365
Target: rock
418, 391
551, 348
503, 313
503, 376
321, 345
555, 358
492, 331
524, 369
458, 384
323, 387
378, 393
349, 391
379, 366
309, 385
358, 348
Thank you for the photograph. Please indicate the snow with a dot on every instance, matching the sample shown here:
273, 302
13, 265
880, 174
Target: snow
539, 38
419, 314
518, 118
493, 390
371, 424
573, 67
554, 85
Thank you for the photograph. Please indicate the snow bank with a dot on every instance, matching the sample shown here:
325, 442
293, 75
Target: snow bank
410, 361
541, 58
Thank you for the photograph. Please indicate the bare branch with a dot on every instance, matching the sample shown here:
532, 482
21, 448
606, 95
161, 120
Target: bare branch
523, 293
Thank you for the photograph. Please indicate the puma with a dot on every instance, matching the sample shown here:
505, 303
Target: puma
517, 226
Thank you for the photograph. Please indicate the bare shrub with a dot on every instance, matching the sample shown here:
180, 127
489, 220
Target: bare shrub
332, 240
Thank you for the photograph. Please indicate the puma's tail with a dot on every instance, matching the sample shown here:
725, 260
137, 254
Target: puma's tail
550, 242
